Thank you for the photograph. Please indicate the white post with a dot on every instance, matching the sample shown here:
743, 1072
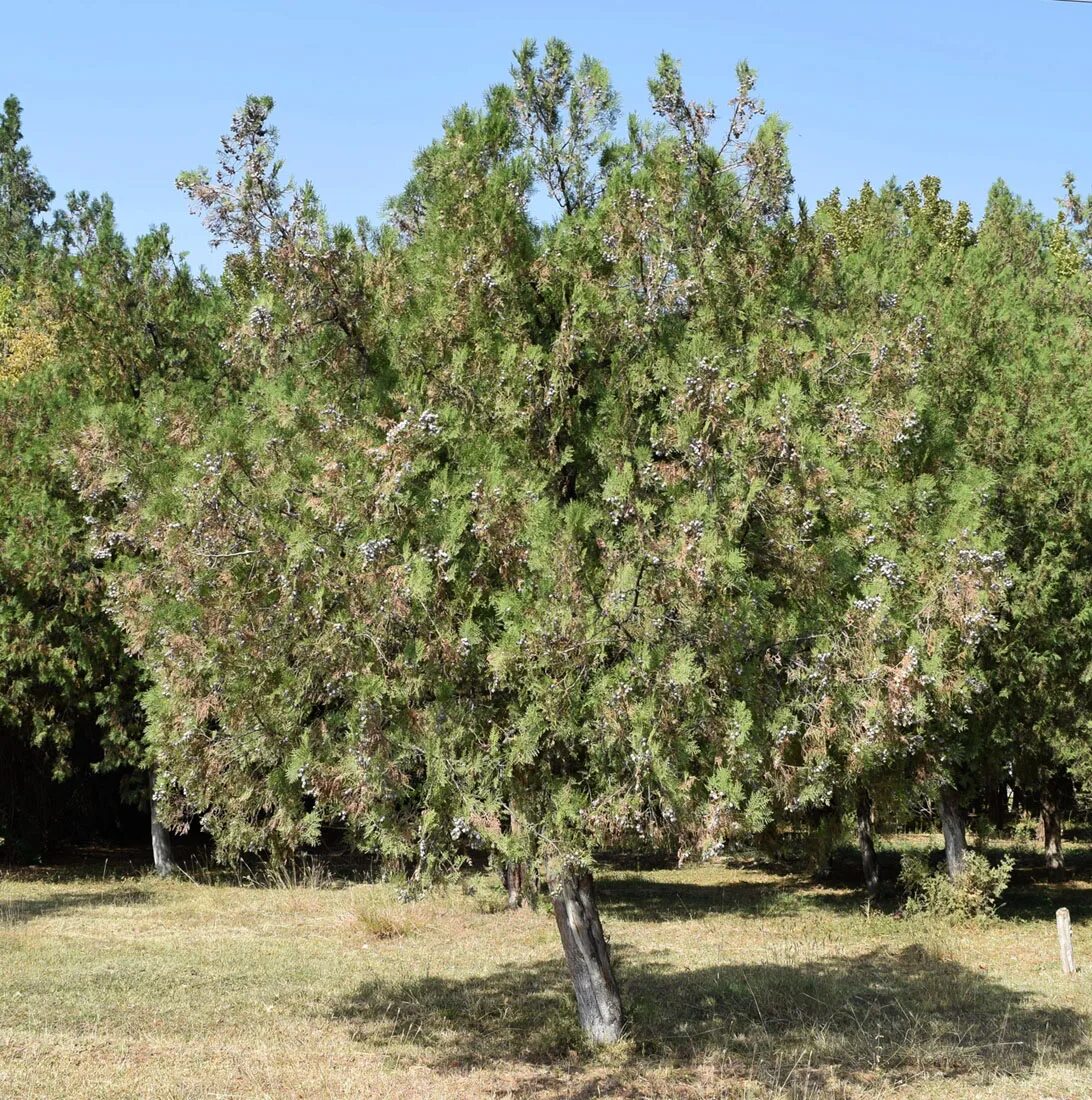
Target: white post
1065, 942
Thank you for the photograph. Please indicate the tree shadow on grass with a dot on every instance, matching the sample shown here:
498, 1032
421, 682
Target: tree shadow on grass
1032, 894
1035, 894
15, 911
85, 864
884, 1015
640, 898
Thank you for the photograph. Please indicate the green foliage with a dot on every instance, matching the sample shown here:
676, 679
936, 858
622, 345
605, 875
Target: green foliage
532, 538
677, 516
976, 892
87, 321
565, 118
24, 195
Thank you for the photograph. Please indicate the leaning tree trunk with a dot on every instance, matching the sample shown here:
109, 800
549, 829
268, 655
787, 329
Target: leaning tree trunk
1051, 818
597, 1001
868, 848
161, 839
955, 837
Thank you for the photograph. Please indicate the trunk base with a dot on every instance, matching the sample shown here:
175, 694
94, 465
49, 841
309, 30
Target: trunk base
955, 836
162, 856
868, 848
1052, 841
598, 1003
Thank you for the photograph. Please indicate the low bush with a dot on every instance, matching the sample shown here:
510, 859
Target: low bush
1025, 830
975, 893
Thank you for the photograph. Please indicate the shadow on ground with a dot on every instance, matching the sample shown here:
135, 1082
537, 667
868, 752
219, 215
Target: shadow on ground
639, 898
23, 910
88, 864
892, 1013
1033, 892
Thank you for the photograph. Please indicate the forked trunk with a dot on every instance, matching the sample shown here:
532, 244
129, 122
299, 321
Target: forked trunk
868, 848
161, 839
597, 1001
1051, 819
955, 837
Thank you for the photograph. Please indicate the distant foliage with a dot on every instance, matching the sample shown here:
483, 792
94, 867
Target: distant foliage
24, 195
28, 340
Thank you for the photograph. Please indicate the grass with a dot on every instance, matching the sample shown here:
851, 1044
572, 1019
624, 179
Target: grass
740, 981
383, 919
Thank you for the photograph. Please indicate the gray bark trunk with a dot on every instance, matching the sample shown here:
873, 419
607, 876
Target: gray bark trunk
955, 837
515, 880
513, 872
868, 848
1051, 819
598, 1003
161, 839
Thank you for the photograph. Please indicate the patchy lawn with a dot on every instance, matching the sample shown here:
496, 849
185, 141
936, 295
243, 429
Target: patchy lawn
740, 981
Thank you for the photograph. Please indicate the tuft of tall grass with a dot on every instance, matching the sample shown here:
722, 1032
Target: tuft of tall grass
387, 920
302, 871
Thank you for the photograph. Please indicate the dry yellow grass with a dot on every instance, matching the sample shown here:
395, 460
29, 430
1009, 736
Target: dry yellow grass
740, 982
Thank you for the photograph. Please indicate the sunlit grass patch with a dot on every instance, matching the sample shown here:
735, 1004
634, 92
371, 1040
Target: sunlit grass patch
744, 981
383, 919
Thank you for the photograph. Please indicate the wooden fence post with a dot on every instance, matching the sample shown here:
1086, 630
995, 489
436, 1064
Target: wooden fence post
1065, 942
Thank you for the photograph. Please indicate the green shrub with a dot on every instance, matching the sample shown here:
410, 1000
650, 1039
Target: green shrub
914, 872
1025, 830
975, 893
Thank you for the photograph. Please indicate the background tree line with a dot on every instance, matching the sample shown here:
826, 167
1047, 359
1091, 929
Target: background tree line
681, 516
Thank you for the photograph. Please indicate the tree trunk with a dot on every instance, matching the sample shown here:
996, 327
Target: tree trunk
955, 838
825, 837
597, 1001
161, 839
515, 883
868, 849
1051, 818
513, 872
999, 803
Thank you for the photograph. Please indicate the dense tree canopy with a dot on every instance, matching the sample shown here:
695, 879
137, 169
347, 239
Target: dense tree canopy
675, 516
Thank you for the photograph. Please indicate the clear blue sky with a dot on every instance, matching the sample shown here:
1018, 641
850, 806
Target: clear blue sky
120, 97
